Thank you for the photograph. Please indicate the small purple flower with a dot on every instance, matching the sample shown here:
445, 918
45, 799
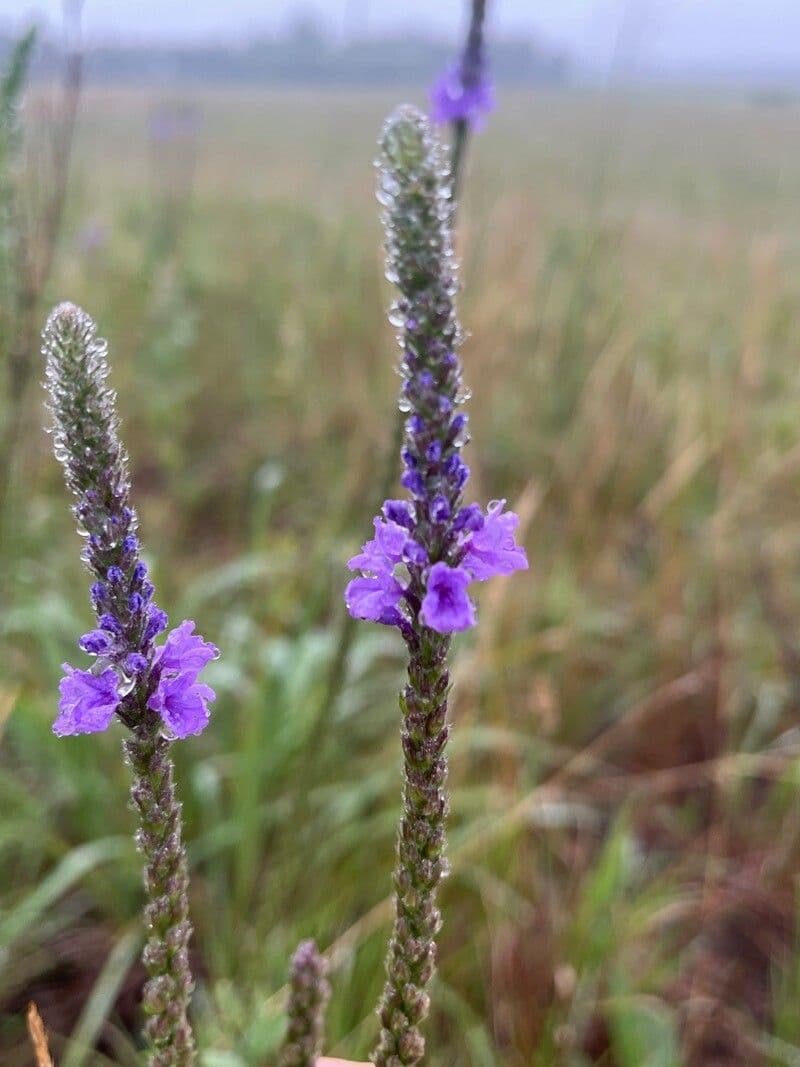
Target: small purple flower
447, 608
135, 663
87, 701
384, 551
400, 512
492, 549
108, 622
375, 599
468, 518
458, 424
453, 100
439, 509
95, 642
114, 575
182, 702
98, 593
412, 480
184, 651
157, 621
414, 553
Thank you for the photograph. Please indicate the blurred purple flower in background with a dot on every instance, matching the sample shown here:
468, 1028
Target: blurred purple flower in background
464, 94
455, 99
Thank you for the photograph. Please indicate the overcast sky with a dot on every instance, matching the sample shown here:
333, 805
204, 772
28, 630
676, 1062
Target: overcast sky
665, 34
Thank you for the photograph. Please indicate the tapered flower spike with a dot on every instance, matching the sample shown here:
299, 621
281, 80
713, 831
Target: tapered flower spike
154, 691
309, 993
427, 550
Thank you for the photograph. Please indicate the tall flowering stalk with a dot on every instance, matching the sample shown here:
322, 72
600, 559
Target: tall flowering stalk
460, 97
426, 552
154, 690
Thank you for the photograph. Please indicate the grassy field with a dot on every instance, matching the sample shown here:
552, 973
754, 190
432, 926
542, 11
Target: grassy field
625, 829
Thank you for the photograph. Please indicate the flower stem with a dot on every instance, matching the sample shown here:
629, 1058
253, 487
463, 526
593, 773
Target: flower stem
166, 914
421, 865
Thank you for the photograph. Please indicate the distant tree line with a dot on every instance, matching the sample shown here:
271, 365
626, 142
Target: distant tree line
303, 56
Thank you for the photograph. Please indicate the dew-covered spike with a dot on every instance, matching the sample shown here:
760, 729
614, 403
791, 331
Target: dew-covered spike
83, 407
86, 442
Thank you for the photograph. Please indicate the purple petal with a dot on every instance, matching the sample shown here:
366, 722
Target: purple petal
384, 551
185, 651
446, 607
375, 599
87, 701
414, 553
182, 702
492, 549
468, 518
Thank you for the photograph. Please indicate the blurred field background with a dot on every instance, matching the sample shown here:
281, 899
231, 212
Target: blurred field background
625, 827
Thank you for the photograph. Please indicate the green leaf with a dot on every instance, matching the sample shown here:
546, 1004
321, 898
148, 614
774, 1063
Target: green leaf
75, 866
644, 1033
102, 998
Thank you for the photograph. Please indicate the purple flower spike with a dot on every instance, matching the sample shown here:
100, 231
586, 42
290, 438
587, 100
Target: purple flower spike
185, 651
375, 599
447, 608
87, 444
453, 99
182, 702
87, 701
492, 550
426, 593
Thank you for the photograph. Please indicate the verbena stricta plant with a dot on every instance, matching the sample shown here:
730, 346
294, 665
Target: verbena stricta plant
428, 549
154, 690
461, 97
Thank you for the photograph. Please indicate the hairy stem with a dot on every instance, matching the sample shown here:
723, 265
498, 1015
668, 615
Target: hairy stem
166, 914
421, 865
